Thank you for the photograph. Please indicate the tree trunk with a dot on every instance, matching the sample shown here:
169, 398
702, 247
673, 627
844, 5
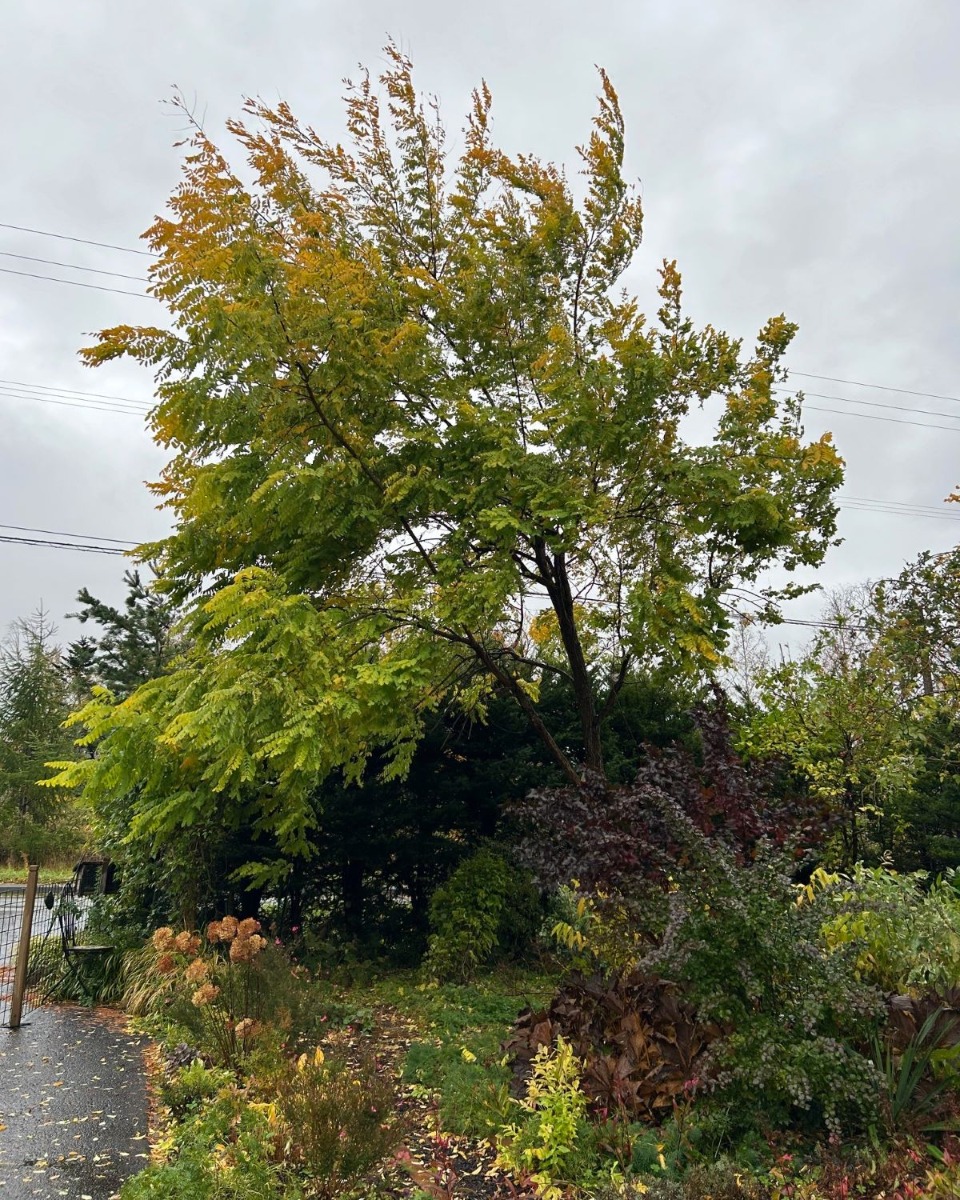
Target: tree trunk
351, 883
558, 585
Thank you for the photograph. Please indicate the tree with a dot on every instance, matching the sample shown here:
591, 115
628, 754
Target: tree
917, 616
408, 411
837, 716
33, 706
135, 644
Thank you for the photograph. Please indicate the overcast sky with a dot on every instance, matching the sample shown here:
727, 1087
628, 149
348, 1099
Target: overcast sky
800, 158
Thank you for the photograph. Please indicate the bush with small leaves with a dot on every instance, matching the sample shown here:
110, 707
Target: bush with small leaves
551, 1143
752, 960
185, 1089
488, 907
222, 1151
904, 929
332, 1122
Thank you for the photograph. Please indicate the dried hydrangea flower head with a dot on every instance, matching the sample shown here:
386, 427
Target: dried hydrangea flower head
246, 949
197, 971
204, 994
163, 939
187, 943
224, 930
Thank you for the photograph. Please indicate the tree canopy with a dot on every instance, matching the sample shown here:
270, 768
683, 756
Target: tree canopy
133, 644
424, 449
34, 702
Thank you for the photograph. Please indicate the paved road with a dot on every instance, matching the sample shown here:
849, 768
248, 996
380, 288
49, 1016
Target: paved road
73, 1106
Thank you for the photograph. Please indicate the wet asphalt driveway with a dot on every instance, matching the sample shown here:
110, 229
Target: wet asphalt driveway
73, 1105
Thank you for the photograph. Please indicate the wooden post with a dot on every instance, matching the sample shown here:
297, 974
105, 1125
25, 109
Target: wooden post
23, 950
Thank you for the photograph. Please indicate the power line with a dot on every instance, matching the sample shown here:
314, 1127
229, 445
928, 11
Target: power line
84, 548
83, 241
903, 507
46, 387
85, 406
74, 283
120, 412
52, 262
152, 254
898, 512
891, 420
880, 387
907, 408
60, 534
107, 402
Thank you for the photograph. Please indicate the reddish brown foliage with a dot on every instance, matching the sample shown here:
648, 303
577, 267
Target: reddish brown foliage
639, 1041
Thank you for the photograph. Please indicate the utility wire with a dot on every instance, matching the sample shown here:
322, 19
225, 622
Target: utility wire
58, 533
880, 387
907, 408
46, 387
84, 548
53, 262
152, 254
83, 241
86, 405
23, 393
74, 283
890, 420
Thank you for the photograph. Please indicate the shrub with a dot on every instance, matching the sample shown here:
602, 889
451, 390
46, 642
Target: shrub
601, 932
333, 1122
753, 961
905, 931
223, 1152
486, 907
619, 839
225, 994
639, 1043
185, 1089
552, 1144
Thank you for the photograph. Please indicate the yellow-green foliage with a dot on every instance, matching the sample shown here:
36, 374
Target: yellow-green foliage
598, 931
399, 389
550, 1143
906, 931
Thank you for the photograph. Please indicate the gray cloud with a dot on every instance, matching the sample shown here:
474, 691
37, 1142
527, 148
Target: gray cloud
793, 158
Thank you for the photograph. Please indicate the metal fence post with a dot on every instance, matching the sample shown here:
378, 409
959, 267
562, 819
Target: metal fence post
23, 950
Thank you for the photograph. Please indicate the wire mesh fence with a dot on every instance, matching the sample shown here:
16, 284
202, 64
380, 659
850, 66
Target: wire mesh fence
44, 947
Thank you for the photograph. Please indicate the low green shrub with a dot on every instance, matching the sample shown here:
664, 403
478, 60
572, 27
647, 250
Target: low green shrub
224, 1151
753, 960
904, 929
550, 1142
185, 1089
487, 909
333, 1123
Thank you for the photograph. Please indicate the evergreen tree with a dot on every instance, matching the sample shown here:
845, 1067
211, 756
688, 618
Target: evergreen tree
135, 643
34, 703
